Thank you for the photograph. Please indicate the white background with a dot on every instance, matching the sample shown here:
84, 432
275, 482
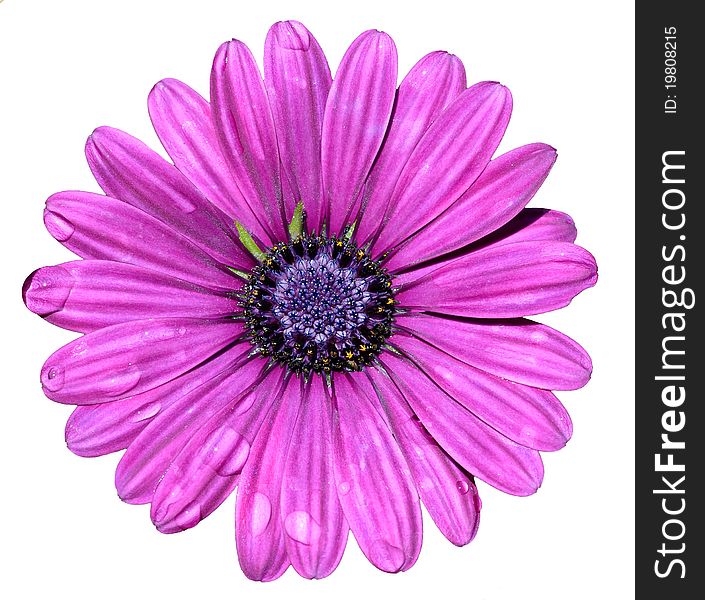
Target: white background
67, 66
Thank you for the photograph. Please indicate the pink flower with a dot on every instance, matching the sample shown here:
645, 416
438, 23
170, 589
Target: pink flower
321, 302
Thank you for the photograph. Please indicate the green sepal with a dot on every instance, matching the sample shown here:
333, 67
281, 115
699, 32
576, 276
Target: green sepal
239, 273
349, 230
249, 243
296, 227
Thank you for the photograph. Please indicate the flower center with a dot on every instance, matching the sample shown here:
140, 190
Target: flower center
318, 304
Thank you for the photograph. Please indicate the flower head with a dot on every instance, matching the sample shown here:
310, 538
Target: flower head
321, 303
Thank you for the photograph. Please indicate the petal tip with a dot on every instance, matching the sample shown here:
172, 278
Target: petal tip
236, 47
75, 436
383, 40
387, 557
128, 494
163, 90
46, 290
78, 443
60, 228
168, 523
495, 92
52, 377
100, 133
442, 58
291, 35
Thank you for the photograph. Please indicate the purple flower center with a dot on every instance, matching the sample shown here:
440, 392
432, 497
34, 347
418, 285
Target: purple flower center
318, 304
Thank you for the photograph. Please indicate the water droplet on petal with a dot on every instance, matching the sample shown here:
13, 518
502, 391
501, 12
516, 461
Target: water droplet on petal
260, 513
343, 488
245, 404
225, 451
146, 412
46, 290
79, 348
416, 422
189, 516
387, 557
166, 503
463, 486
53, 377
183, 203
162, 334
61, 229
302, 527
120, 382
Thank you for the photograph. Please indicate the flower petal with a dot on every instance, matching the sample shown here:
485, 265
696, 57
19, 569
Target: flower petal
533, 225
243, 121
519, 350
183, 121
355, 121
130, 358
259, 531
510, 280
447, 160
147, 458
86, 295
100, 227
529, 416
99, 429
297, 78
128, 170
433, 82
373, 479
530, 225
207, 469
481, 450
498, 195
447, 491
316, 530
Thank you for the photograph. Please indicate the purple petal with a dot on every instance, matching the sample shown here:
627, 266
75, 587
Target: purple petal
530, 225
447, 160
297, 78
505, 281
498, 195
519, 350
259, 531
130, 358
316, 530
86, 295
147, 458
207, 469
100, 227
533, 225
243, 121
355, 121
529, 416
373, 479
128, 170
480, 449
433, 82
448, 492
100, 429
183, 121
